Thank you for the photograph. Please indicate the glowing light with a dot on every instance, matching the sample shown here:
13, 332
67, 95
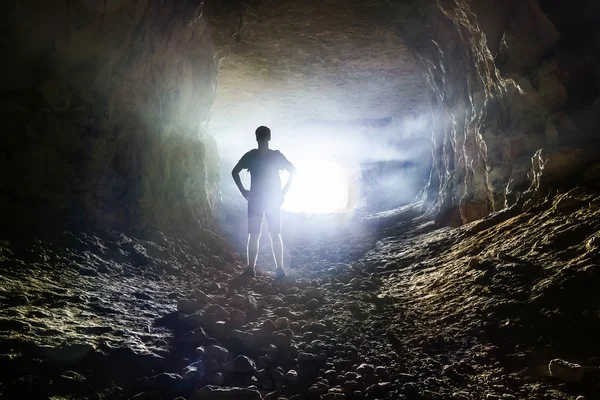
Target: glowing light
321, 187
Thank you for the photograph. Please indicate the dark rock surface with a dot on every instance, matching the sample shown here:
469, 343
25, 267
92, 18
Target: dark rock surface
501, 308
103, 108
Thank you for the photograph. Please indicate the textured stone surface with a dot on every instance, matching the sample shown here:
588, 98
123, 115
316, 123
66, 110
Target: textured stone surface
287, 62
103, 106
504, 87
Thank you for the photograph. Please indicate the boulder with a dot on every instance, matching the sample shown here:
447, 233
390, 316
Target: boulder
225, 393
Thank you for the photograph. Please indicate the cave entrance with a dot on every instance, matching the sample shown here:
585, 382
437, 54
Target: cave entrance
345, 101
321, 187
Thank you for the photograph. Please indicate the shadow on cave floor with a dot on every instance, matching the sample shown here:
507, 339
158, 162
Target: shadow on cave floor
381, 307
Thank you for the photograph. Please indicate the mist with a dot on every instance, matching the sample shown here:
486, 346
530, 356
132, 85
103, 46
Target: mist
386, 160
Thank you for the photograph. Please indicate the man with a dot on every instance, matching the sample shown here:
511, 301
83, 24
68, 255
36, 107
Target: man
264, 197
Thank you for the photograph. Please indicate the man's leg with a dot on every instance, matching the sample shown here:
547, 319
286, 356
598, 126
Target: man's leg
274, 222
277, 246
254, 225
252, 250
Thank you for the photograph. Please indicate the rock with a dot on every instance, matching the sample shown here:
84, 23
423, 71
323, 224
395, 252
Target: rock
379, 389
186, 306
351, 376
382, 372
225, 393
268, 326
334, 396
431, 395
307, 357
291, 376
282, 323
216, 378
67, 354
331, 375
215, 287
351, 386
163, 381
319, 388
279, 376
312, 304
492, 396
283, 312
365, 369
220, 313
251, 304
312, 292
245, 338
237, 317
237, 300
217, 353
273, 395
194, 337
272, 353
566, 371
194, 370
240, 365
283, 340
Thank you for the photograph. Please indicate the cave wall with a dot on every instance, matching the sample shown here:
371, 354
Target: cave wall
103, 106
510, 80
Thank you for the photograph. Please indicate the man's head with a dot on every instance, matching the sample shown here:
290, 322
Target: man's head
263, 134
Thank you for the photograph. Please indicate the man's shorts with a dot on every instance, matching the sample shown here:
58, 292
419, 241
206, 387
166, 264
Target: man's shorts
271, 208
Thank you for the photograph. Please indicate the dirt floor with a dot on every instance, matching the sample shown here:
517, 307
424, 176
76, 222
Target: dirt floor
385, 306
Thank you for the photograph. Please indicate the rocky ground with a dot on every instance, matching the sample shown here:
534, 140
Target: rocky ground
382, 307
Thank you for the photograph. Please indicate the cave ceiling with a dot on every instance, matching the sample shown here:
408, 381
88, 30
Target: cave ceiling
287, 62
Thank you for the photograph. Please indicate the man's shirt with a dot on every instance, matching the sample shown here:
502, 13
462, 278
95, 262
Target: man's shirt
264, 171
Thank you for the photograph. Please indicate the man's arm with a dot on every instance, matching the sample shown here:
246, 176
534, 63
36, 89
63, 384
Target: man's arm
289, 167
235, 173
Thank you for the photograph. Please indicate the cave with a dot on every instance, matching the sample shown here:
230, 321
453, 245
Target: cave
441, 237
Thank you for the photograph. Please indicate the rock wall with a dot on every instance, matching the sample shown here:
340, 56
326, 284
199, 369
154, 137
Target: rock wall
103, 106
508, 78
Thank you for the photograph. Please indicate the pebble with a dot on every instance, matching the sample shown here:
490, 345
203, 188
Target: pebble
211, 392
240, 365
319, 388
215, 287
220, 313
237, 300
192, 370
282, 323
268, 326
312, 304
195, 337
365, 369
351, 386
163, 381
566, 371
251, 304
282, 339
283, 311
334, 396
217, 353
291, 376
237, 317
382, 372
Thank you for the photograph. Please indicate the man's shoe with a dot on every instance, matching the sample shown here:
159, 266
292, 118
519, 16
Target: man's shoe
279, 273
249, 273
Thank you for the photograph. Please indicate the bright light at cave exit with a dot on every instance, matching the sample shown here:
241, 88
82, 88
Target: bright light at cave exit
320, 187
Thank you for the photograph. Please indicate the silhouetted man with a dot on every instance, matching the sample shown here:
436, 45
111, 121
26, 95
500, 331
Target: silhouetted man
264, 197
